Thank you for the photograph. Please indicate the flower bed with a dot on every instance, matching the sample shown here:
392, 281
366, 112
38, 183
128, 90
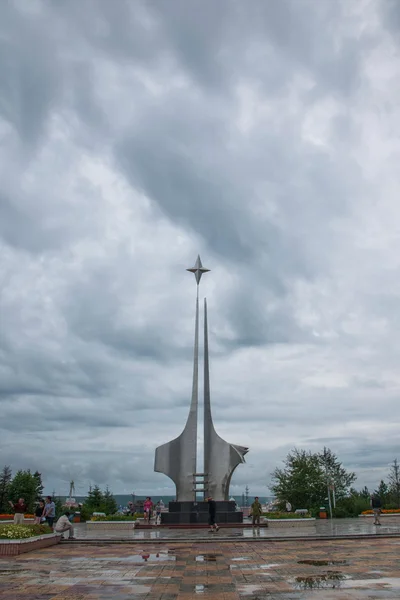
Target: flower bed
395, 516
9, 531
17, 539
392, 511
286, 515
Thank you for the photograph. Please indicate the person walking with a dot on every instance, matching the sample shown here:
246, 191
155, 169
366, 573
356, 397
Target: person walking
19, 510
376, 505
256, 511
49, 511
39, 512
63, 524
212, 513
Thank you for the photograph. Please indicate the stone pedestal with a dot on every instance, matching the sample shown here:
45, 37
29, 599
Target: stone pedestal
181, 513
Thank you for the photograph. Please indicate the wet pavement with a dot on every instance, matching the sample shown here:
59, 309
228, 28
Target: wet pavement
320, 528
288, 570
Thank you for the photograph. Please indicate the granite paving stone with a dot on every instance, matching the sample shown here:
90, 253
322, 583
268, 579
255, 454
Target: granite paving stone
290, 570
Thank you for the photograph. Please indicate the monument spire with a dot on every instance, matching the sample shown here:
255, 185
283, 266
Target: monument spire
178, 458
198, 270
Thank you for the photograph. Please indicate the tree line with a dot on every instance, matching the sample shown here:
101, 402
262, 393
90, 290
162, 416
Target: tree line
28, 485
308, 479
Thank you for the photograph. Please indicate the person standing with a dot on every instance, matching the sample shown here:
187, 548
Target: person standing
19, 510
158, 513
212, 513
63, 524
147, 507
49, 511
39, 512
256, 511
376, 505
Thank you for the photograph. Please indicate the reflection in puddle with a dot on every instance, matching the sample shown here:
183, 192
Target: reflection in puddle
241, 558
206, 558
322, 563
331, 579
160, 556
199, 588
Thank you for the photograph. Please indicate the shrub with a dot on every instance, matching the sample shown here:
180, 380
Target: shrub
114, 518
340, 513
20, 532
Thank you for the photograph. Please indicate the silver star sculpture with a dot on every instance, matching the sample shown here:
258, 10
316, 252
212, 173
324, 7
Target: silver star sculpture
198, 270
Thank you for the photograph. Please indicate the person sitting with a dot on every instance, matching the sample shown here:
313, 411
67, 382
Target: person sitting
63, 524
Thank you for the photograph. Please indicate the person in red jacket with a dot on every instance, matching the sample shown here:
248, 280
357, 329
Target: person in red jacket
19, 510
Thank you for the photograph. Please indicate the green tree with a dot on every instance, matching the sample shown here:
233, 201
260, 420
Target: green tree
109, 502
383, 493
305, 478
335, 473
24, 485
95, 500
394, 483
5, 480
301, 481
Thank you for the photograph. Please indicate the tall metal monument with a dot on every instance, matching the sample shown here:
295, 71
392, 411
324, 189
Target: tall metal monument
177, 459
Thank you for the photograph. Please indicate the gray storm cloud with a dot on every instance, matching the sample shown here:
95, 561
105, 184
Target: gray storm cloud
133, 137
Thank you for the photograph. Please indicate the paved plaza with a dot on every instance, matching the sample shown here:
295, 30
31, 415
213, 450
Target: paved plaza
321, 528
242, 570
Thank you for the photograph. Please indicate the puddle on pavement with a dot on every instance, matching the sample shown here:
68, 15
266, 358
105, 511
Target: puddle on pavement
160, 556
322, 563
249, 589
200, 588
206, 558
382, 583
240, 558
328, 580
253, 567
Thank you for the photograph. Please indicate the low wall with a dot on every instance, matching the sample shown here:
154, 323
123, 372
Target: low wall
115, 525
281, 523
15, 547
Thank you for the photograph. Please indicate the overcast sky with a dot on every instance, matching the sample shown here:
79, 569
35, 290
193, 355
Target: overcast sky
134, 135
